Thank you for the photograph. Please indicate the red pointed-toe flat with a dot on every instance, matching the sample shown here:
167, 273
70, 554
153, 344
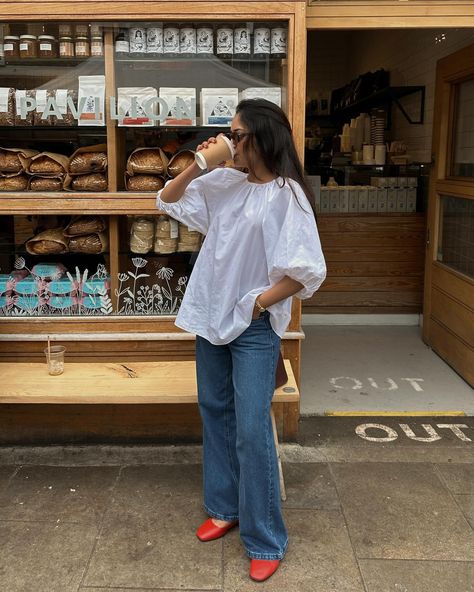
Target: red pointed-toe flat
262, 569
208, 531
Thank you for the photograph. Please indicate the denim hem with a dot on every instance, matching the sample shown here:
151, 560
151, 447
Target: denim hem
226, 517
268, 556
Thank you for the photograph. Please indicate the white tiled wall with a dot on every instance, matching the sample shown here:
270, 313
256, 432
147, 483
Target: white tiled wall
409, 54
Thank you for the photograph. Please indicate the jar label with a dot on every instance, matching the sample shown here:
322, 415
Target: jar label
96, 49
8, 46
173, 228
81, 50
261, 41
204, 40
187, 40
138, 40
171, 40
45, 46
225, 41
278, 41
23, 46
122, 46
154, 40
242, 40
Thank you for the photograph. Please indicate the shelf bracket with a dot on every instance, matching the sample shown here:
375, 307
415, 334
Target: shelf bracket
422, 107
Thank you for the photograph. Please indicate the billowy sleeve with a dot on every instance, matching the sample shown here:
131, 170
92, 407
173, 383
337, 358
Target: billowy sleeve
292, 245
192, 209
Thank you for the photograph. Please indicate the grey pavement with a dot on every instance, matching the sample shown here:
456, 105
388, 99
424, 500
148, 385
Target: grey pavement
375, 504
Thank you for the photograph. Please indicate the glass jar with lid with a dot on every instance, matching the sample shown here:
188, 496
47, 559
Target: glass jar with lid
187, 40
225, 41
82, 47
11, 46
171, 40
261, 41
66, 47
242, 41
205, 39
97, 46
278, 42
28, 46
47, 46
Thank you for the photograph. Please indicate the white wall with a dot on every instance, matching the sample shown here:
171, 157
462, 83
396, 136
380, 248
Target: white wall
410, 55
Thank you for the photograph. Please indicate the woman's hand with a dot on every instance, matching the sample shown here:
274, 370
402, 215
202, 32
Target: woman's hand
255, 313
205, 145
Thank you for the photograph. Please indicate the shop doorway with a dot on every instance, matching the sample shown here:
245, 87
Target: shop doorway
449, 271
380, 266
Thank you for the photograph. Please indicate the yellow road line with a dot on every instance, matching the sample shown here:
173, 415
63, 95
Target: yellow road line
394, 413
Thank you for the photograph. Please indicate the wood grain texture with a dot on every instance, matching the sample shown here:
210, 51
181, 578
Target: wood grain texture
375, 264
113, 383
351, 14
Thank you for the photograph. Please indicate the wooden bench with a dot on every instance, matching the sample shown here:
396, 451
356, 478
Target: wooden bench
119, 383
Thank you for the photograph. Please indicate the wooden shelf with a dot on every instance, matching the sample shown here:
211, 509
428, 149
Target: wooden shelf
77, 203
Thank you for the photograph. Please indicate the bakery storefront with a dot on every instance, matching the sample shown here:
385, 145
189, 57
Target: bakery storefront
97, 112
95, 115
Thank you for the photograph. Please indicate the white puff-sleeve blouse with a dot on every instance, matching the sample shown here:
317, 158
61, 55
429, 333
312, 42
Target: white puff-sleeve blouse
256, 233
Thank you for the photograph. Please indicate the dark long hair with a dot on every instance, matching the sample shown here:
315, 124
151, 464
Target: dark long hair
271, 139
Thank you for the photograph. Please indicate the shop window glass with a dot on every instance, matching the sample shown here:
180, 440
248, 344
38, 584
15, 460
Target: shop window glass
456, 240
463, 165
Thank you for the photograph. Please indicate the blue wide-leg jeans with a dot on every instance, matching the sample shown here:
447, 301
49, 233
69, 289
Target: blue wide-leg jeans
236, 382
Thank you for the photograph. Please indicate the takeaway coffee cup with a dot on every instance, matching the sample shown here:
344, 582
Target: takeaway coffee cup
215, 153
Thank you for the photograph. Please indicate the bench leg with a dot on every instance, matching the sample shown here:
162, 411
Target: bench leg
277, 447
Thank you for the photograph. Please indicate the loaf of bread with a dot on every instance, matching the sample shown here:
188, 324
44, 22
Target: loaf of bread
10, 161
85, 225
92, 182
145, 183
91, 244
49, 242
17, 183
88, 162
47, 164
147, 160
180, 161
46, 184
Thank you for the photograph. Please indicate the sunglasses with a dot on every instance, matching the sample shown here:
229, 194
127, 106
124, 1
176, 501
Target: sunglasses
236, 137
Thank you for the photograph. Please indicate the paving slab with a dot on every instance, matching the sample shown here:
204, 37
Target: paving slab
310, 485
466, 503
402, 511
6, 473
459, 478
68, 494
417, 576
319, 557
43, 557
148, 535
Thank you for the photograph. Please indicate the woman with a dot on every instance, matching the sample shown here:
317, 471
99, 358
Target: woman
261, 248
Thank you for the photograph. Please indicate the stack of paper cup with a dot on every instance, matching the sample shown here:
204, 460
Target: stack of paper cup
368, 154
380, 154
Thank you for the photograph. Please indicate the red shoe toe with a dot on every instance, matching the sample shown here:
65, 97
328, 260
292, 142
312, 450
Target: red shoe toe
262, 569
208, 531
